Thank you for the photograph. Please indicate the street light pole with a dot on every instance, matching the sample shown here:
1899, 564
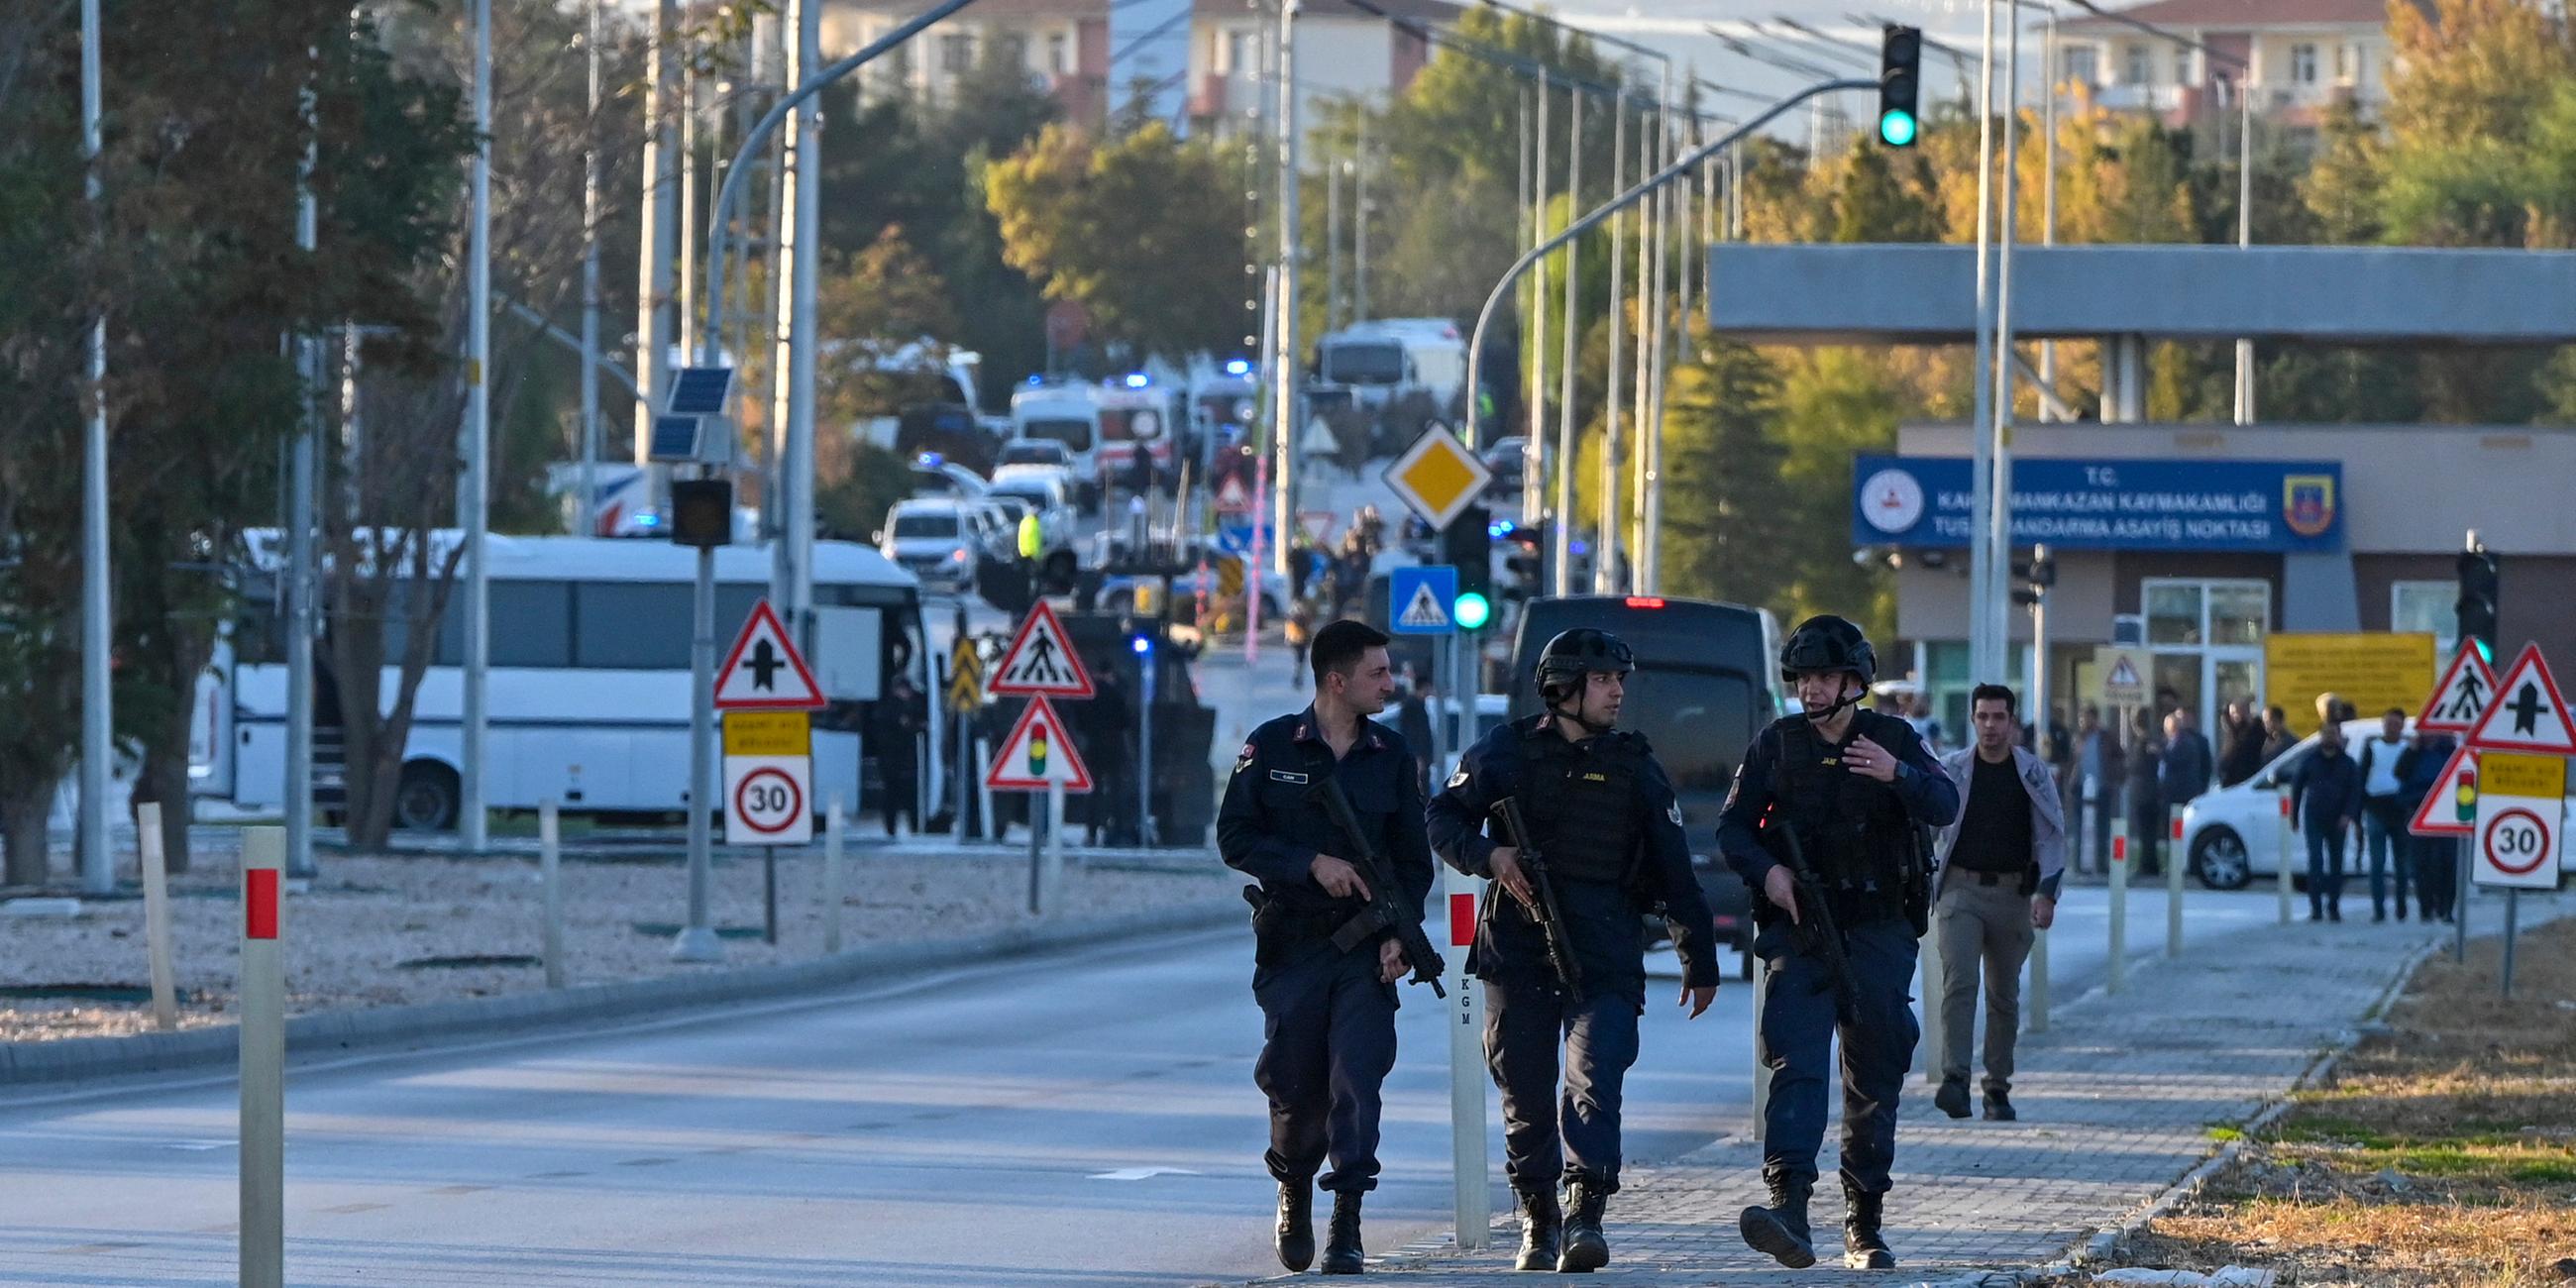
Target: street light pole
1999, 542
1286, 407
1984, 649
98, 747
2245, 233
1610, 382
791, 588
474, 498
300, 563
588, 507
1567, 452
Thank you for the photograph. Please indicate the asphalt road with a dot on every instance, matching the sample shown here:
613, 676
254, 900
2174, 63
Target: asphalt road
1081, 1119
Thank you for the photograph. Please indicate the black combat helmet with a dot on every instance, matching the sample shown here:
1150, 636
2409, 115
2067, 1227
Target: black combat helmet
1573, 654
1828, 643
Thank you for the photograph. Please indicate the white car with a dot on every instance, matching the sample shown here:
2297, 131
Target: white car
2234, 834
1035, 451
935, 539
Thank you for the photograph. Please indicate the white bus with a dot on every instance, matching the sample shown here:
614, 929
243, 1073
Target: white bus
588, 692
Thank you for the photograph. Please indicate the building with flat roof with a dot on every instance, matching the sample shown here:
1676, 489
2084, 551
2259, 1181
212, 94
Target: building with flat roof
2301, 57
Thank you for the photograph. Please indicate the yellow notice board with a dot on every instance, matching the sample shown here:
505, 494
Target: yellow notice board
2372, 671
768, 733
2533, 777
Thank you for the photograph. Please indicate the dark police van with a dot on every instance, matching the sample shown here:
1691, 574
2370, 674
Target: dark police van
1701, 691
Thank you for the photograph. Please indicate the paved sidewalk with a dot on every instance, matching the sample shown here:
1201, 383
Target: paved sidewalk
2119, 1099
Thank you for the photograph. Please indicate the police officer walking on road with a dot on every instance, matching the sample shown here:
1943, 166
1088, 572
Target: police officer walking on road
1601, 816
1843, 793
1328, 1016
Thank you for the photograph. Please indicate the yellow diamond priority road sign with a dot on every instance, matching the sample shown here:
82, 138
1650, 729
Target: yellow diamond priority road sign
1437, 477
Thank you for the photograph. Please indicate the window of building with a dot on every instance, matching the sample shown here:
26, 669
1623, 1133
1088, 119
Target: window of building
2207, 640
956, 54
1059, 54
1011, 50
2343, 61
2082, 65
2303, 64
1241, 58
2182, 65
2430, 606
2140, 68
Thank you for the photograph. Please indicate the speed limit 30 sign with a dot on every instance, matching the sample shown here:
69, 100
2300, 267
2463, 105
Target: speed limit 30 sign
2519, 807
768, 778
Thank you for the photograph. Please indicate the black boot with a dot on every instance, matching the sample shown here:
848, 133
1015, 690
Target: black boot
1780, 1230
1585, 1247
1342, 1255
1541, 1222
1952, 1098
1863, 1247
1999, 1106
1296, 1236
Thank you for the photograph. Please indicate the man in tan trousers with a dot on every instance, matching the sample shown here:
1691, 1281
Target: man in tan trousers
1997, 885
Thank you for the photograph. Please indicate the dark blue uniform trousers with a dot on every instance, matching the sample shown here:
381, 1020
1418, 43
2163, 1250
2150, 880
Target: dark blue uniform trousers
1546, 1136
1798, 1029
1328, 1041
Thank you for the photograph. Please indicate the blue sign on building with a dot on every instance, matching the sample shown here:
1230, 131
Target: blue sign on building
2282, 507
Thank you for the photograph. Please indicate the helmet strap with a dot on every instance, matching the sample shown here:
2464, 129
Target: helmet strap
1838, 705
1556, 706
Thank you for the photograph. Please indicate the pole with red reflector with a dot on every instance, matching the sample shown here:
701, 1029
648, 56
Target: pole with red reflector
2119, 906
2175, 860
263, 1062
1466, 1065
2282, 885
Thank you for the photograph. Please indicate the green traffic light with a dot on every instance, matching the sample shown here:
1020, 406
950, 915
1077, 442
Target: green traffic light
1471, 612
1897, 129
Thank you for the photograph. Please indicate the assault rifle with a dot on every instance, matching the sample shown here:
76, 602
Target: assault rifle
1385, 910
1542, 908
1818, 937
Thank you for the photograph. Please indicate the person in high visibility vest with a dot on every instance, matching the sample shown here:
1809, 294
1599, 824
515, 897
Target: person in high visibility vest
1032, 537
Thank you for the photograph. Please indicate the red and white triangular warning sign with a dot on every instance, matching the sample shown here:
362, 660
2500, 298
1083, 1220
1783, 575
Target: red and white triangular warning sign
2461, 697
1232, 497
764, 672
2451, 808
1038, 755
1041, 662
2526, 714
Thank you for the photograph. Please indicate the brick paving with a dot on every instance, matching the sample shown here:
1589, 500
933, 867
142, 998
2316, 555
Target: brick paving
2118, 1101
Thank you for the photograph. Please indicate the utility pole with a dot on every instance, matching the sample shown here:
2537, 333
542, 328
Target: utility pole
1567, 451
1984, 650
1359, 225
1285, 401
1560, 536
2048, 186
588, 507
657, 250
474, 498
98, 747
791, 581
1999, 542
300, 563
1642, 576
1333, 245
1610, 385
2245, 230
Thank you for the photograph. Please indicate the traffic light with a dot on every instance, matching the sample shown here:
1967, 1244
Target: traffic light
1900, 63
702, 512
2479, 575
1468, 544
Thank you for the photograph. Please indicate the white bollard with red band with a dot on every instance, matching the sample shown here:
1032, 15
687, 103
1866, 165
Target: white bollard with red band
2119, 964
2175, 861
263, 1061
1466, 1062
2281, 887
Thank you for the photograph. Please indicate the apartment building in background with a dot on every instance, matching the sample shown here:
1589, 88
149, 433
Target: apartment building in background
2300, 56
1200, 63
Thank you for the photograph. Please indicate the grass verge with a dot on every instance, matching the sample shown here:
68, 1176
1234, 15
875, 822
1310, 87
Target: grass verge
2442, 1152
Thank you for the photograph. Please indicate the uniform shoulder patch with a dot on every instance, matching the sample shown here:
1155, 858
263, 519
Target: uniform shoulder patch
1244, 760
1674, 812
1458, 779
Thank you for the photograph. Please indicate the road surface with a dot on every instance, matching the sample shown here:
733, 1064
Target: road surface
1086, 1118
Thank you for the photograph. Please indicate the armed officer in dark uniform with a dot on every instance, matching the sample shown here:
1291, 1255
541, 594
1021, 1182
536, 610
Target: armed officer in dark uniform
1830, 803
1603, 821
1328, 1015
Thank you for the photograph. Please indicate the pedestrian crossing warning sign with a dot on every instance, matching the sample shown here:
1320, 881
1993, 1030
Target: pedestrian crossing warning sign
2124, 675
2461, 697
1041, 661
1425, 612
1038, 755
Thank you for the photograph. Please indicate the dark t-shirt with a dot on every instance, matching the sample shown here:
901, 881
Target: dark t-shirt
1995, 834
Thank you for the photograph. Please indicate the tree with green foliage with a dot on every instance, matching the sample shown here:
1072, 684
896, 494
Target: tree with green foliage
1724, 497
1139, 230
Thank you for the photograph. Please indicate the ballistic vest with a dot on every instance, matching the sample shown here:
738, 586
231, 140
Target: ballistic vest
1581, 800
1853, 829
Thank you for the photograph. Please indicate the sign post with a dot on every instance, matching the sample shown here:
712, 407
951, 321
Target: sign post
1467, 1067
156, 914
2521, 738
763, 690
1038, 756
263, 1062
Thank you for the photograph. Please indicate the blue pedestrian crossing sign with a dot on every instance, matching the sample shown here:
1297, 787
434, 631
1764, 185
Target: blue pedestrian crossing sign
1418, 599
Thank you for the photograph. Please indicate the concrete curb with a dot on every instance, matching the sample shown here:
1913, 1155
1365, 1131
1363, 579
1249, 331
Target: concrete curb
2102, 1245
330, 1032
